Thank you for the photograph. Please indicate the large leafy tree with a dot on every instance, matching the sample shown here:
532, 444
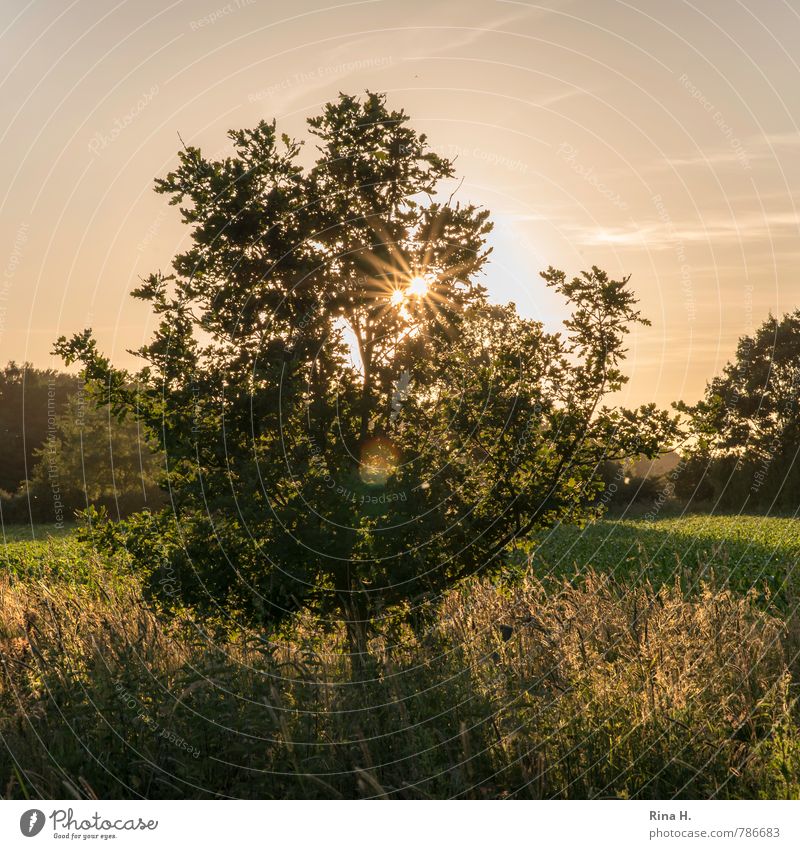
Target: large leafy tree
746, 428
349, 425
753, 407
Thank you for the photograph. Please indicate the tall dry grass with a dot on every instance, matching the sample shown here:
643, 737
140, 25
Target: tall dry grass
587, 690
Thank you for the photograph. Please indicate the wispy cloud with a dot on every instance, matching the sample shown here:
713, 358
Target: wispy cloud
347, 59
756, 148
788, 139
658, 235
714, 157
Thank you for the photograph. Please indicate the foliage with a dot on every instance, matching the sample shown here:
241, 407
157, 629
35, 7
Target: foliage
354, 486
601, 689
28, 397
746, 430
96, 460
631, 483
88, 459
59, 560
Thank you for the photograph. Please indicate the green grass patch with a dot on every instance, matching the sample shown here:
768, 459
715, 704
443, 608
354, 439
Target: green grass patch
743, 552
32, 533
54, 557
613, 682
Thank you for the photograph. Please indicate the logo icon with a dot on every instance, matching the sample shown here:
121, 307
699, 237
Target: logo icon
31, 822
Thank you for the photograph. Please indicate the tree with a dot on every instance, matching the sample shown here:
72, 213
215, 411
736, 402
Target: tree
30, 399
746, 429
349, 425
90, 459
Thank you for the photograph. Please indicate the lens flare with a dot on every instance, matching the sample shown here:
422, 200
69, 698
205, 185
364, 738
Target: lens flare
379, 460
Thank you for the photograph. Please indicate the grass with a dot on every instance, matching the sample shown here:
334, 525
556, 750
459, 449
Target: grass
623, 680
29, 533
57, 559
743, 552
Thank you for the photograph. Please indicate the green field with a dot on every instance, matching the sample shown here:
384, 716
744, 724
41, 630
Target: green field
617, 680
745, 552
47, 553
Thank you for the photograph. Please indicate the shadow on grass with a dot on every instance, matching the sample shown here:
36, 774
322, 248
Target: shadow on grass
594, 688
741, 552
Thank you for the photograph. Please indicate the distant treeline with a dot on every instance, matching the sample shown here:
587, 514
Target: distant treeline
60, 452
728, 483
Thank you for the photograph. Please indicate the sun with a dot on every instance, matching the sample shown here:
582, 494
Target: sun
418, 287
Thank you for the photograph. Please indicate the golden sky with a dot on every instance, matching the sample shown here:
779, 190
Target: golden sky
657, 139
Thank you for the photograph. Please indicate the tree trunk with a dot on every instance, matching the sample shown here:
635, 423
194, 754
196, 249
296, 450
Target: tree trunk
356, 626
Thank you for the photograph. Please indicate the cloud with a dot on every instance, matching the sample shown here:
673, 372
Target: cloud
757, 148
789, 139
717, 157
661, 235
353, 57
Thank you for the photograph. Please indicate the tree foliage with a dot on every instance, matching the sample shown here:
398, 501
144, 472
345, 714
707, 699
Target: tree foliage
91, 459
746, 428
349, 425
29, 397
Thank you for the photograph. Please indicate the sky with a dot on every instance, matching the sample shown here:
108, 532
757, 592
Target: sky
652, 139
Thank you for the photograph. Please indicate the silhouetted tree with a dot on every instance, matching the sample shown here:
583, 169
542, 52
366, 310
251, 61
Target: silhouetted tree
92, 459
746, 429
349, 425
28, 398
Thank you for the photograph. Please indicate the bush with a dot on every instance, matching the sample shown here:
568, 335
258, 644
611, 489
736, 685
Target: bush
733, 483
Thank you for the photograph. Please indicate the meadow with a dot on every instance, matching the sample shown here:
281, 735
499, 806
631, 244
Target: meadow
641, 659
744, 552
